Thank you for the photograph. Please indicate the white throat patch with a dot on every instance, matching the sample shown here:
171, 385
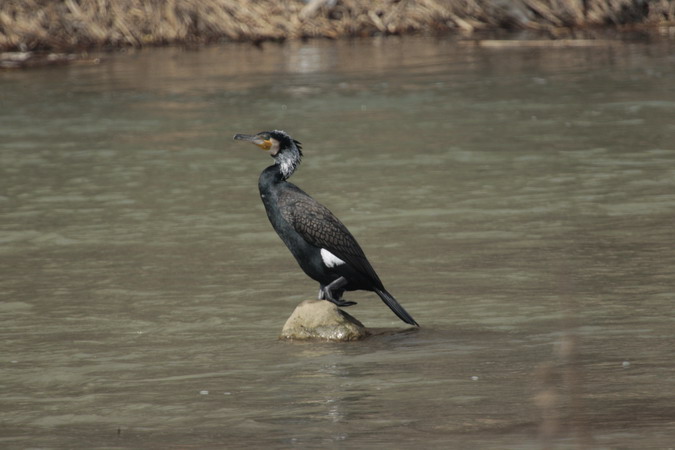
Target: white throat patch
329, 259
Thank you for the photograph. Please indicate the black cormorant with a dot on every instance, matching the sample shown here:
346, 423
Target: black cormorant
321, 244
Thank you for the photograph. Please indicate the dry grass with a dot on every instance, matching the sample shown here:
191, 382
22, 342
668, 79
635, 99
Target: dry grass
80, 24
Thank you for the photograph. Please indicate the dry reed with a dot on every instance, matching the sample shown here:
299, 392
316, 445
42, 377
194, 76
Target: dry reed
80, 24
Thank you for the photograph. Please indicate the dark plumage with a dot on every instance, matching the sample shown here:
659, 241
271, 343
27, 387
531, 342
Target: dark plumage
322, 245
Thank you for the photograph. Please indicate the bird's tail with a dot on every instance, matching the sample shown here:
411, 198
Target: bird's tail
391, 302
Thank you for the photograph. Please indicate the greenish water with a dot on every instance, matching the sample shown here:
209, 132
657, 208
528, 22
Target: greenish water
519, 202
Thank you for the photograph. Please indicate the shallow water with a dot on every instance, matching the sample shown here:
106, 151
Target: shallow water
519, 203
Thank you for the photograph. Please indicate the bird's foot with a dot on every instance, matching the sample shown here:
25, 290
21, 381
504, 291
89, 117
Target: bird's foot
341, 302
333, 293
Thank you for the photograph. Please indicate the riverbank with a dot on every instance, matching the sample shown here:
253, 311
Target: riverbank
76, 25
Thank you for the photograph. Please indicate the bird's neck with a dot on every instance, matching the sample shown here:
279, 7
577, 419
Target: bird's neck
287, 162
270, 179
271, 184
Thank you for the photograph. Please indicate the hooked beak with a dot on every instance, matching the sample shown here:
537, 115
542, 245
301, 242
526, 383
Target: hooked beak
265, 144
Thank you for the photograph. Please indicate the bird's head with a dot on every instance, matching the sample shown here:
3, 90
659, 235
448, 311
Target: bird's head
286, 151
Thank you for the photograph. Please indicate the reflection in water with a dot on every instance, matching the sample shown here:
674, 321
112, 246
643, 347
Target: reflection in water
558, 396
518, 201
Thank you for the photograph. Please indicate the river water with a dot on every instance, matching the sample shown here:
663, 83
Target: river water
518, 201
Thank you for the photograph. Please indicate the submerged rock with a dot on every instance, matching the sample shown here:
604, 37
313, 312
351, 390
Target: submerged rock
322, 320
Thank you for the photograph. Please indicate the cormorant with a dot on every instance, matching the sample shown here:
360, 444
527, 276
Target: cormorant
321, 244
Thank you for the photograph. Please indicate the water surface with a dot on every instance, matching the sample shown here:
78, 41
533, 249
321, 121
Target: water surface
519, 203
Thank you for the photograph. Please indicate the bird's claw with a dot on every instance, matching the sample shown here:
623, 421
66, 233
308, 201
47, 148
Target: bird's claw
333, 293
341, 303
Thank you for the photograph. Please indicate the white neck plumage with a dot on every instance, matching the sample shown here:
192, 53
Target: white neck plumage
288, 160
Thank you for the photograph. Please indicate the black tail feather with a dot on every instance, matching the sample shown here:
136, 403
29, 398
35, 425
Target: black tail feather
391, 302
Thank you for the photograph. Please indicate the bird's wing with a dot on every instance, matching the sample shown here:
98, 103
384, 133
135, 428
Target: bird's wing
319, 226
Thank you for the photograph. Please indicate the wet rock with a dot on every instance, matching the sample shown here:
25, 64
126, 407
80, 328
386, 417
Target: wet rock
322, 320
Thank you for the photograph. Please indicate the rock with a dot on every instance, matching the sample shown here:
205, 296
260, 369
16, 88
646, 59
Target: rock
322, 320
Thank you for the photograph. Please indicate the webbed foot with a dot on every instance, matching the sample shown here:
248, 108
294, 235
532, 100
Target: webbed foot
333, 293
341, 302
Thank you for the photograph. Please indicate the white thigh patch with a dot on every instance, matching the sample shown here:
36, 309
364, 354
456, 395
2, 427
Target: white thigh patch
329, 259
